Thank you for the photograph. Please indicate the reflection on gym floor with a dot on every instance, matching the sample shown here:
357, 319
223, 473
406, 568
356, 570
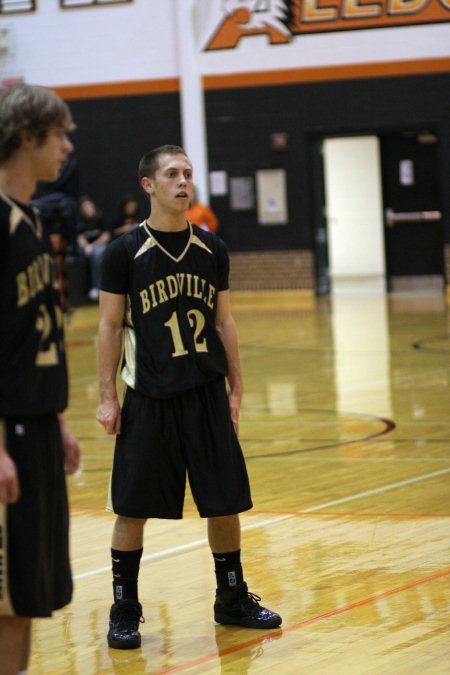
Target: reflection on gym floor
345, 425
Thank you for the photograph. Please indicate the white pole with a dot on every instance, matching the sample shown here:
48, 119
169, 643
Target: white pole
193, 126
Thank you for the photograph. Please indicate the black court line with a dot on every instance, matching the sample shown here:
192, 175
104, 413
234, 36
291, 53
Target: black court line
389, 425
423, 344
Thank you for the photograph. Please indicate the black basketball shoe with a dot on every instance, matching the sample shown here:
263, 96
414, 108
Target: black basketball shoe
124, 620
239, 607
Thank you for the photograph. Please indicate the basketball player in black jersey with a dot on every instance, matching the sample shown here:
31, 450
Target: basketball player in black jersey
165, 295
35, 443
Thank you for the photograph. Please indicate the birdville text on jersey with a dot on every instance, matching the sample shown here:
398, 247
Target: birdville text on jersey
173, 285
39, 273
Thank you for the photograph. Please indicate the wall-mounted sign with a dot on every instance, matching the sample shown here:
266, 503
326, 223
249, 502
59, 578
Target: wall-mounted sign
280, 20
271, 191
242, 194
406, 172
218, 183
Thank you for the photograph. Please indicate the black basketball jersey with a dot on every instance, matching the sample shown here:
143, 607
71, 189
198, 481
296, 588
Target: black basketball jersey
33, 374
171, 342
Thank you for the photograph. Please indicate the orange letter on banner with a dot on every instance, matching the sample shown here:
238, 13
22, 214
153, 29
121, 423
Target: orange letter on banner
311, 12
406, 6
232, 29
353, 10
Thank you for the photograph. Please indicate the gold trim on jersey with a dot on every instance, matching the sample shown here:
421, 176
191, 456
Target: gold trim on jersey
109, 504
129, 370
152, 241
6, 607
147, 245
17, 215
199, 242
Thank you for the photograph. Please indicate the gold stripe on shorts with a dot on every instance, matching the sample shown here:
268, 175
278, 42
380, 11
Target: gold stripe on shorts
5, 601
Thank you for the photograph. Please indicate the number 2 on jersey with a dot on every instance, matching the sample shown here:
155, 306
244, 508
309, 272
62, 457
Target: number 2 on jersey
47, 353
197, 323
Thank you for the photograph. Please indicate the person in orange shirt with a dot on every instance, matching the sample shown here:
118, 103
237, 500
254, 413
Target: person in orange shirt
201, 215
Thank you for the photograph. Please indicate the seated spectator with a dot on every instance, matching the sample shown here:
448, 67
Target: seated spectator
201, 215
128, 215
57, 203
92, 239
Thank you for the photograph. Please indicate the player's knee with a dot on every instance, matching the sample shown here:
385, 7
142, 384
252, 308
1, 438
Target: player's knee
13, 629
131, 523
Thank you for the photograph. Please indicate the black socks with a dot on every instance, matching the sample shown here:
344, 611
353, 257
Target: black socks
125, 569
228, 570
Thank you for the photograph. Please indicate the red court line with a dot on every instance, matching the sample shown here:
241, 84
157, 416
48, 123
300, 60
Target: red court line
81, 342
307, 622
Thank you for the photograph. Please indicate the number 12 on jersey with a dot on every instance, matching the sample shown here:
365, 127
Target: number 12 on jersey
197, 323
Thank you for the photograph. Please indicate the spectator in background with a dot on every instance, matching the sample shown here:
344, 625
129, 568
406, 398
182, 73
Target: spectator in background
128, 215
57, 202
92, 239
201, 215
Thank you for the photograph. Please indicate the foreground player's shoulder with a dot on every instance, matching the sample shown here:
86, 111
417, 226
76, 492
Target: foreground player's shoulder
128, 244
209, 240
117, 262
6, 208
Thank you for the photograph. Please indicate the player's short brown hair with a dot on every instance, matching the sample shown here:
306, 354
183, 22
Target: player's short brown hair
149, 163
25, 107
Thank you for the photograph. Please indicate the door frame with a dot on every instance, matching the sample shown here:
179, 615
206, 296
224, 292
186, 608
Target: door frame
317, 183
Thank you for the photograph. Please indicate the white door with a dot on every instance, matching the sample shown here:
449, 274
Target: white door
354, 214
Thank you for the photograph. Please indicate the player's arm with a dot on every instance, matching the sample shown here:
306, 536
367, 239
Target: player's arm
9, 482
103, 238
71, 447
226, 329
109, 352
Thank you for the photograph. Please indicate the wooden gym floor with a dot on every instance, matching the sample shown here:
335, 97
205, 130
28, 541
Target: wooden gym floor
346, 429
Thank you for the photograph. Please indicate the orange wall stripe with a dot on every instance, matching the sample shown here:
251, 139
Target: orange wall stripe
321, 74
259, 78
128, 88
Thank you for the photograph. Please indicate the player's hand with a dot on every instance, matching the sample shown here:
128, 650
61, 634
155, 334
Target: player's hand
108, 414
235, 406
71, 447
9, 482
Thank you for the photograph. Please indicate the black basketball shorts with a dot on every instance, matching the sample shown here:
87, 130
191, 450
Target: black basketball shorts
35, 575
162, 440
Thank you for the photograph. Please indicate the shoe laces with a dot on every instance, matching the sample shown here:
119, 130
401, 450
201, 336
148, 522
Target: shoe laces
128, 616
249, 600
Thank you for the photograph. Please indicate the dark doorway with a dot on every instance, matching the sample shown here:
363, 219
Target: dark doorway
414, 232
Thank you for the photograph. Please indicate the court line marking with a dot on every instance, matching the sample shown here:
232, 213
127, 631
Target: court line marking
307, 622
340, 460
272, 521
302, 458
